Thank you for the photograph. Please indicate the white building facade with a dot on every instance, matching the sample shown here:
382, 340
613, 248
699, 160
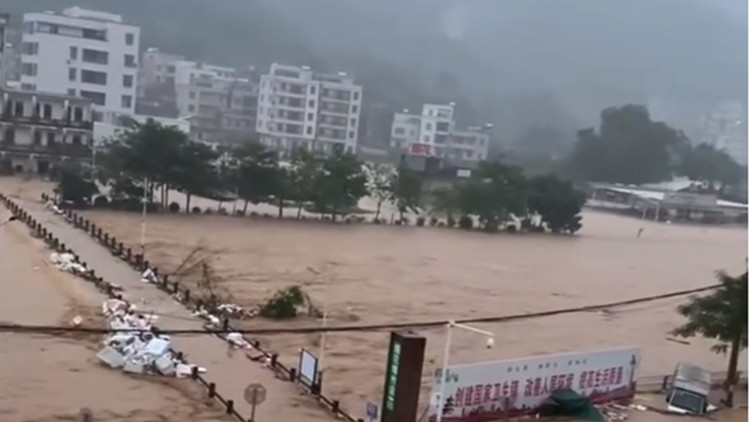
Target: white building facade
434, 133
41, 130
301, 109
82, 53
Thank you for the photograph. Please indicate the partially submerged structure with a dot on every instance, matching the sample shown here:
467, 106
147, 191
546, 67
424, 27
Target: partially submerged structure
668, 202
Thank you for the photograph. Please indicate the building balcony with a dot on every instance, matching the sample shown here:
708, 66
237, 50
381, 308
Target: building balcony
40, 121
55, 151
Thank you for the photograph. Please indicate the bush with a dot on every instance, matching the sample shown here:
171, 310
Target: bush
511, 228
433, 221
174, 207
239, 213
284, 304
101, 202
420, 221
208, 211
465, 222
451, 222
196, 210
376, 221
253, 214
222, 211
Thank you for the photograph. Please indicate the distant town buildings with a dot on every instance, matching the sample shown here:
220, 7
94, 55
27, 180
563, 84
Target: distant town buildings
4, 23
433, 133
82, 53
298, 108
725, 128
39, 130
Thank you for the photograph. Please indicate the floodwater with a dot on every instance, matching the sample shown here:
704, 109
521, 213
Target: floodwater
380, 274
45, 378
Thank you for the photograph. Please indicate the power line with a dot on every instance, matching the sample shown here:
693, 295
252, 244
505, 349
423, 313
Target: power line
51, 329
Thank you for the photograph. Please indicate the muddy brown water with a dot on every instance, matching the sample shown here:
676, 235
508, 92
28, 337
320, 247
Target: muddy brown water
380, 274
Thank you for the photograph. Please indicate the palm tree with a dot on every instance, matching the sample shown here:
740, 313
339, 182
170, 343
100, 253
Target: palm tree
721, 315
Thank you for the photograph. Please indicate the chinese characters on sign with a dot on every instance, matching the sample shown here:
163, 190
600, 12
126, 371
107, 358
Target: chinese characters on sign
483, 388
390, 393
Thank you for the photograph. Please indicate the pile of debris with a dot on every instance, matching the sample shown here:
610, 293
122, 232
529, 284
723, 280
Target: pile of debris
68, 262
140, 351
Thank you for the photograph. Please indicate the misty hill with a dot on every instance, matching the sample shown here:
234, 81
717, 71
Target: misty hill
516, 63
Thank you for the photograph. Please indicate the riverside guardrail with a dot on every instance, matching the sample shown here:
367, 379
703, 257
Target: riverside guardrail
184, 296
110, 290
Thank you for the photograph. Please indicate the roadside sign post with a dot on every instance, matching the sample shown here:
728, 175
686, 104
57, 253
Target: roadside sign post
255, 394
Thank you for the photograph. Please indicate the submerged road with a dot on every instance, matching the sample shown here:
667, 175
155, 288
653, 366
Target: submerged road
231, 374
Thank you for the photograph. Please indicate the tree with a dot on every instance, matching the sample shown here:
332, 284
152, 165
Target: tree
405, 189
445, 201
706, 163
557, 202
73, 187
340, 185
495, 191
193, 172
301, 179
379, 178
721, 315
628, 148
256, 170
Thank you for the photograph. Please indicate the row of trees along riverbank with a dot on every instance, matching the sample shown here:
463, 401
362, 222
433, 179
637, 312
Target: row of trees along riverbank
164, 159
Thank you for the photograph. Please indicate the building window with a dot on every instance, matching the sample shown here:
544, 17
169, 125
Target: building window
95, 56
126, 101
72, 91
72, 74
310, 116
127, 81
353, 122
50, 138
98, 98
130, 60
170, 69
78, 114
355, 109
47, 111
28, 27
191, 108
191, 95
95, 34
351, 134
30, 48
92, 77
129, 38
76, 140
312, 89
311, 103
308, 130
28, 87
73, 53
28, 69
355, 95
398, 131
37, 137
428, 126
18, 109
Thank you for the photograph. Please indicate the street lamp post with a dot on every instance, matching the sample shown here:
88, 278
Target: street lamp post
446, 354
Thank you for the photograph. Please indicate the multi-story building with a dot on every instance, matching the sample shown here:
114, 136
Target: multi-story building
156, 84
433, 133
4, 22
220, 101
301, 109
41, 130
84, 53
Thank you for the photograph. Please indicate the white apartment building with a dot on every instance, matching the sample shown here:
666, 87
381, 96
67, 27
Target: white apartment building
433, 133
83, 53
301, 109
40, 130
4, 21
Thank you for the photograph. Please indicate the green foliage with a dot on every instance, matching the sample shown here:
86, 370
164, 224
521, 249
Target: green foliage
74, 187
284, 304
628, 148
255, 173
557, 202
405, 190
494, 192
706, 163
445, 201
722, 316
339, 185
